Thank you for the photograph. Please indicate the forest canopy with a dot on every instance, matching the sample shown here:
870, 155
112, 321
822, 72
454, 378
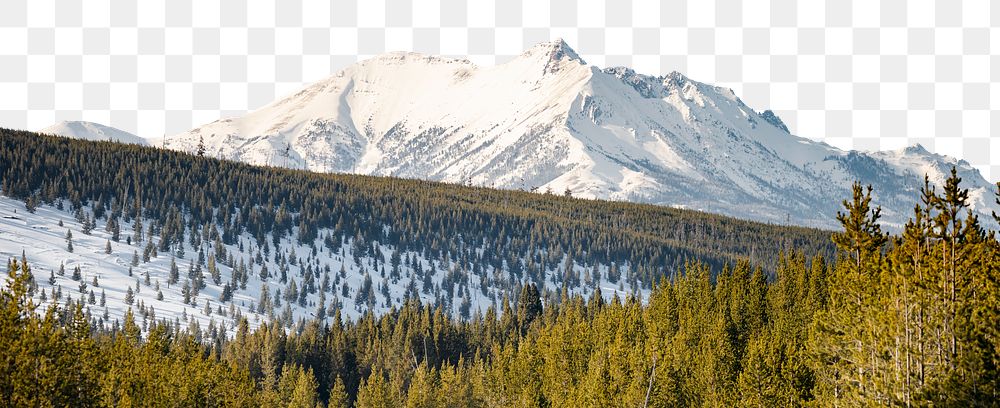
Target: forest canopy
180, 192
906, 319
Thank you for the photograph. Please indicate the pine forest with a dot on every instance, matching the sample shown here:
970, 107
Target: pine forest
258, 286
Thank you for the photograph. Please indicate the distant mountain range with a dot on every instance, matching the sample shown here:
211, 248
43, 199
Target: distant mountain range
548, 121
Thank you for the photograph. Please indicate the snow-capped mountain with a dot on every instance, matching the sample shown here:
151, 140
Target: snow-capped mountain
92, 131
549, 121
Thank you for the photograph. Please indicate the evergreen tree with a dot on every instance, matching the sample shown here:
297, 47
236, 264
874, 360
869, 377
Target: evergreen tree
846, 373
213, 270
174, 274
862, 235
137, 230
116, 230
529, 306
304, 393
201, 147
377, 392
321, 307
338, 394
264, 302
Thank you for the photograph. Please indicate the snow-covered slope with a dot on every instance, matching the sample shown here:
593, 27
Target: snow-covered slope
337, 277
547, 120
92, 131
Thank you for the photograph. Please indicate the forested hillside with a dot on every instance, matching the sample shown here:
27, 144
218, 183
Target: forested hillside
202, 241
750, 315
124, 182
904, 320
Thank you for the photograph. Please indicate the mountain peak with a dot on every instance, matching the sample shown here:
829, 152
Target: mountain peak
916, 148
562, 49
553, 52
547, 120
675, 78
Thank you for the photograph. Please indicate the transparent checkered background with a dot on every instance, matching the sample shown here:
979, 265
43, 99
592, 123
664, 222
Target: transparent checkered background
864, 74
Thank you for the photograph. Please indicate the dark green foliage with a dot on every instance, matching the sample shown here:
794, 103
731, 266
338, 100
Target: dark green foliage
54, 361
424, 217
906, 320
529, 306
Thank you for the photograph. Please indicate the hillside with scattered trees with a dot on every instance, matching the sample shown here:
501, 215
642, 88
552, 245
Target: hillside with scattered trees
204, 242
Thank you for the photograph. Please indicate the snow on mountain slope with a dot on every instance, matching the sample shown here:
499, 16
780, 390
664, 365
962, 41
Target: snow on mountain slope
357, 284
547, 120
92, 131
